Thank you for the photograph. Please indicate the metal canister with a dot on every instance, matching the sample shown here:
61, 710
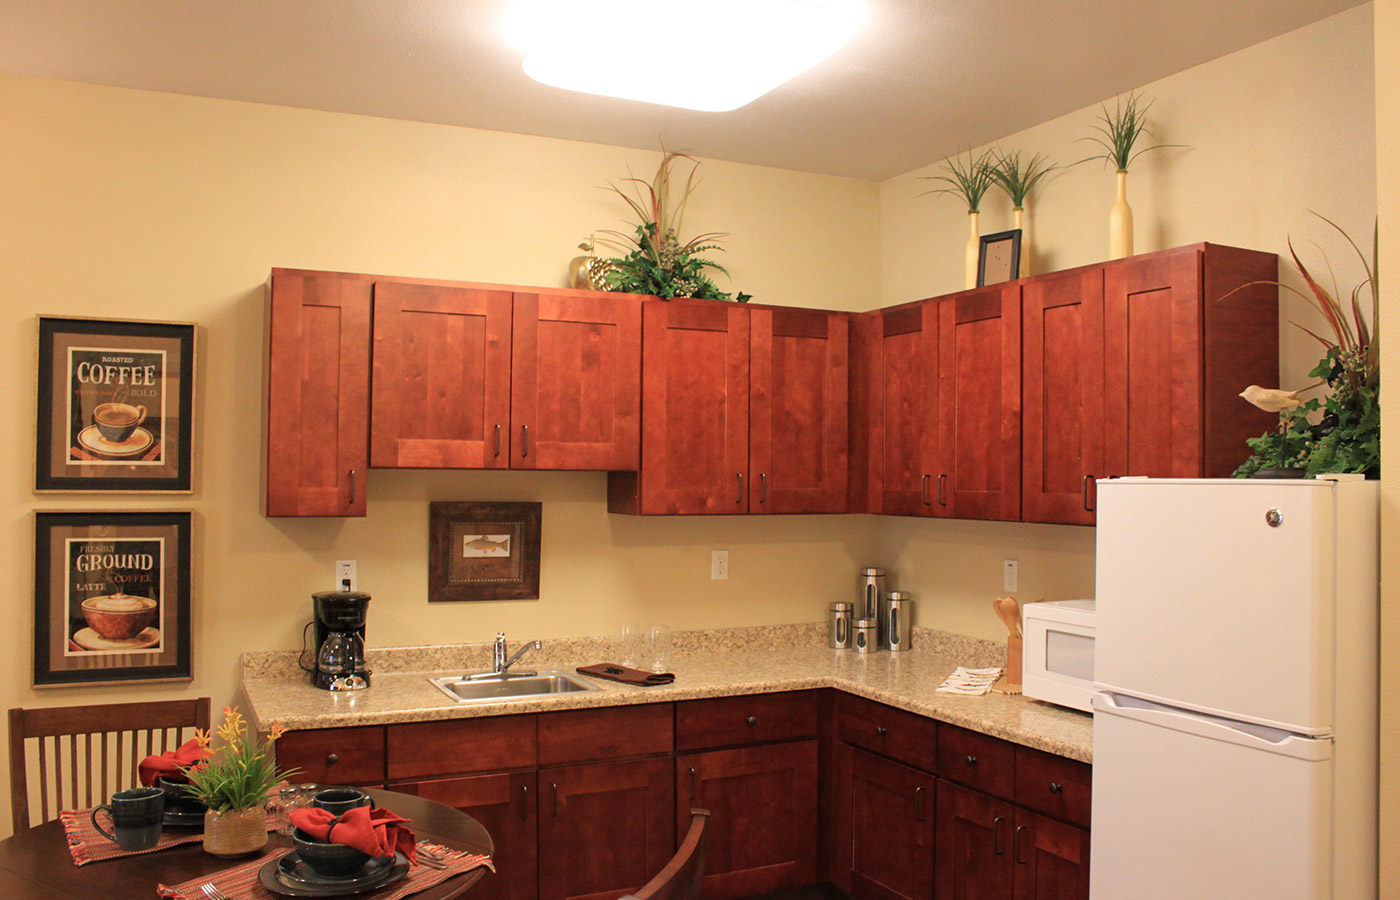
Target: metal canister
896, 622
872, 588
838, 620
866, 635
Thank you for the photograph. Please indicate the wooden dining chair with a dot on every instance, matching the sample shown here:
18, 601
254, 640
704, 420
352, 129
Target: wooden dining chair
680, 879
85, 753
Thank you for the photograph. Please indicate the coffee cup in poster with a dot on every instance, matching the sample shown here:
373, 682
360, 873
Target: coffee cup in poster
114, 593
117, 421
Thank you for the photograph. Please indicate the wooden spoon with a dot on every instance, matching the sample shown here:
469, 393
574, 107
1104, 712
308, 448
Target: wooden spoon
1010, 614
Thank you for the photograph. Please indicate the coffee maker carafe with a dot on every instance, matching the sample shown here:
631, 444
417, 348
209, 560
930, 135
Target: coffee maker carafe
340, 640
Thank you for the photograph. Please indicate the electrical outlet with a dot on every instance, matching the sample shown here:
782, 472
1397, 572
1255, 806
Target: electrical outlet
719, 565
345, 575
1010, 575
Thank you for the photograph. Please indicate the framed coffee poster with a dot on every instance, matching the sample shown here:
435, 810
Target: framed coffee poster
483, 551
111, 597
116, 403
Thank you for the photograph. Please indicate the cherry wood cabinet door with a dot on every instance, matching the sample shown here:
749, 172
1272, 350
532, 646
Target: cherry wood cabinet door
1062, 393
441, 387
974, 844
799, 361
979, 398
695, 404
887, 837
604, 829
317, 404
1051, 859
906, 371
575, 381
1153, 366
763, 816
505, 805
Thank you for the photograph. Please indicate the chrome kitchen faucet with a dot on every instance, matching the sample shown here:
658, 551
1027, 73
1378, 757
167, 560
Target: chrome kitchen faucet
499, 662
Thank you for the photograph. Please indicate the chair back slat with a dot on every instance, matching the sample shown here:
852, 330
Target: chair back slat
62, 739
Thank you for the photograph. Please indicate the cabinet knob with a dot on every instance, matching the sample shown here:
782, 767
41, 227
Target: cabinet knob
332, 759
970, 760
752, 720
1055, 787
881, 730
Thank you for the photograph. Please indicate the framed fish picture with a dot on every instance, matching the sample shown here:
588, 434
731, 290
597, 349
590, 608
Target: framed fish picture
483, 551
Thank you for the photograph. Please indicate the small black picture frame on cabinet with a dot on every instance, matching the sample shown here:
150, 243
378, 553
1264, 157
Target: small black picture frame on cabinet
999, 258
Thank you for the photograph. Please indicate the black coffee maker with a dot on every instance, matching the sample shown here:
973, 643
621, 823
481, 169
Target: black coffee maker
340, 640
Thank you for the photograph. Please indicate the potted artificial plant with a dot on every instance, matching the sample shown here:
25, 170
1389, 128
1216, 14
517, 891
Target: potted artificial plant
1118, 134
233, 781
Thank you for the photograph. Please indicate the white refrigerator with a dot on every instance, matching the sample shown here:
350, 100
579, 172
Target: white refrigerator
1235, 690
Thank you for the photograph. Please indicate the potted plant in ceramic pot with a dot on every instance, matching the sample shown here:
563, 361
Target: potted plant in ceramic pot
969, 182
1341, 430
233, 781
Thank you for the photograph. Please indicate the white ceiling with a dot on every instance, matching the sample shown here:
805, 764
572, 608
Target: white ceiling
922, 79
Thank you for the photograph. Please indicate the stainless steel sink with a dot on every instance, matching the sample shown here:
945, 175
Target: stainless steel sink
495, 688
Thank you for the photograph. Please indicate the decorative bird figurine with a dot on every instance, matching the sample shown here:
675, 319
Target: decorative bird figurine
1271, 399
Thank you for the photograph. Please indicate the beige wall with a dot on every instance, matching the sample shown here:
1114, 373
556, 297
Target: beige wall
1387, 24
144, 205
1276, 130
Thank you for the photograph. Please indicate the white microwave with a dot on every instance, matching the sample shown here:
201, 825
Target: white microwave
1058, 659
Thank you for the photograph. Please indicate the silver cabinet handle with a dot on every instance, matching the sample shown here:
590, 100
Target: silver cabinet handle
524, 802
352, 487
1019, 860
740, 476
524, 441
554, 786
763, 483
919, 803
1055, 787
694, 784
1087, 479
997, 848
969, 760
941, 479
498, 438
881, 731
923, 490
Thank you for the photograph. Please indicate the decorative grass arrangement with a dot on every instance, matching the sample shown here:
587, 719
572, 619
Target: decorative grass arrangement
241, 772
656, 261
1017, 180
967, 180
1119, 131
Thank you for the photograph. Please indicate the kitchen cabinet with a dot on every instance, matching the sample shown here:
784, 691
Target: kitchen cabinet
743, 411
887, 822
974, 843
604, 828
763, 816
316, 394
352, 756
904, 439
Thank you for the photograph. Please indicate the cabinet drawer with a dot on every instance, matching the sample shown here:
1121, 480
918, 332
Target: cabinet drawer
904, 736
750, 719
431, 749
583, 735
1053, 785
977, 760
335, 755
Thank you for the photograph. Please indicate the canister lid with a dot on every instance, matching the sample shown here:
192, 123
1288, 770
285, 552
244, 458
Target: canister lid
898, 595
872, 571
840, 606
865, 623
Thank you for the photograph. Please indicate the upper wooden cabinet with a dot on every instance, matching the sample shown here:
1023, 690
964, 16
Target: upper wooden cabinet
316, 421
744, 410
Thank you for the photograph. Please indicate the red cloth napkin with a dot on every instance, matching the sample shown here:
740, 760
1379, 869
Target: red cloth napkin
170, 763
376, 831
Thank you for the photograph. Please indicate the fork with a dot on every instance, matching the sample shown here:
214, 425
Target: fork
212, 892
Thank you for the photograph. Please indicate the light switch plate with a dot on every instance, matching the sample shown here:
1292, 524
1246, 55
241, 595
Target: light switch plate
1010, 575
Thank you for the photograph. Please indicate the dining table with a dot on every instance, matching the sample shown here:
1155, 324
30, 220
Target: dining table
36, 865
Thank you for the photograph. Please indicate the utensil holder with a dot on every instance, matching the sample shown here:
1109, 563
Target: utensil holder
1013, 664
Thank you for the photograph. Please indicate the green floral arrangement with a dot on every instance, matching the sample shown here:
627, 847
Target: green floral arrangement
241, 772
656, 261
1340, 432
966, 180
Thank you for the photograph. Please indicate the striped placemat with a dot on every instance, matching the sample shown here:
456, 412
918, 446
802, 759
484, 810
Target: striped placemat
241, 882
88, 845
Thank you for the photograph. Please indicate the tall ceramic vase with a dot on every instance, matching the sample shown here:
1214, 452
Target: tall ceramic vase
1024, 268
974, 250
1120, 222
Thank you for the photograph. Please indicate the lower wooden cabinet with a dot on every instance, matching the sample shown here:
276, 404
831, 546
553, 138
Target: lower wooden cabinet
763, 816
605, 828
505, 804
1052, 859
886, 814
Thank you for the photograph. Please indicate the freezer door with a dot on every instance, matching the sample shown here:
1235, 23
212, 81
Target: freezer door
1184, 806
1218, 596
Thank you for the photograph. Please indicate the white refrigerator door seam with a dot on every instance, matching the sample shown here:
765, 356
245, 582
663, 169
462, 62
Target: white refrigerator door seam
1215, 728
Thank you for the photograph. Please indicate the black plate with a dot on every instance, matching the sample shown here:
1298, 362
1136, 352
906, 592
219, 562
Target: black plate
268, 878
183, 818
294, 871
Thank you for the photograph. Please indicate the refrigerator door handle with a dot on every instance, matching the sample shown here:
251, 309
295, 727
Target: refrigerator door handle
1213, 727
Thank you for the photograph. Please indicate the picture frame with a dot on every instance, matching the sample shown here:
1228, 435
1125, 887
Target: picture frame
483, 551
115, 408
999, 257
111, 597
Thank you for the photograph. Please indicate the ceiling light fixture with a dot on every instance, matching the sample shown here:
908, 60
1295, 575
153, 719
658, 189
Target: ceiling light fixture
714, 56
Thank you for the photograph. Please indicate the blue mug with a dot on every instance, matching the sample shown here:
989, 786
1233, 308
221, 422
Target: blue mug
137, 818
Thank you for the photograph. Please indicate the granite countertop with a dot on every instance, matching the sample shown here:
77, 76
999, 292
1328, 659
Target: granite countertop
719, 663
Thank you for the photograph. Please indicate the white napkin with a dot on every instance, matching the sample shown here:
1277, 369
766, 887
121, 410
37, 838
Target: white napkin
972, 682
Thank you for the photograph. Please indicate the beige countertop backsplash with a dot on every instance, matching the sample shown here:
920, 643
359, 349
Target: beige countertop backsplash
713, 663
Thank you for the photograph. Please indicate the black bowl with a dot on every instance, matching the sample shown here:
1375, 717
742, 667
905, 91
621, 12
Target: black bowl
330, 860
177, 798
